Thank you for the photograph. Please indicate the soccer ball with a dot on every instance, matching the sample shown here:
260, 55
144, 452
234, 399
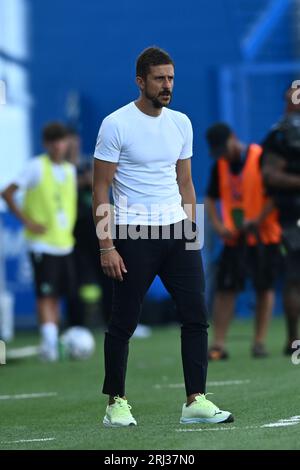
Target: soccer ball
78, 343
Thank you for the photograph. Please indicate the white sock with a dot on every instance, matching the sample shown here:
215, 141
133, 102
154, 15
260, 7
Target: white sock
49, 333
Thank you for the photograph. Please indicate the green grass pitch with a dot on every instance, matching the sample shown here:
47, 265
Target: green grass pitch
263, 391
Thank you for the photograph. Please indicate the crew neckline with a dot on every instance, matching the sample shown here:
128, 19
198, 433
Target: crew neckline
147, 115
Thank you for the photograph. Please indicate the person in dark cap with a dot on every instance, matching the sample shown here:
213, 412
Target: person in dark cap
281, 173
249, 229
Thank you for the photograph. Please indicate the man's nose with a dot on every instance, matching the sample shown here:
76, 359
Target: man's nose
167, 83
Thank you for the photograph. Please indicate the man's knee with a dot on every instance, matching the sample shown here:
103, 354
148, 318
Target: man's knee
121, 330
193, 310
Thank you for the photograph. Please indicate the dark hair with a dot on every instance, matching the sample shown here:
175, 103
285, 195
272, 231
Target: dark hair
151, 56
72, 131
217, 136
54, 131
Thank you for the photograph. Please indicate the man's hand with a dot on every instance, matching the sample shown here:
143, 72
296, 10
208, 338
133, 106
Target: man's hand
217, 222
250, 225
38, 229
113, 265
225, 233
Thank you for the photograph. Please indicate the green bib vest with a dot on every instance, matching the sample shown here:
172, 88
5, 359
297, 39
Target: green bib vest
52, 204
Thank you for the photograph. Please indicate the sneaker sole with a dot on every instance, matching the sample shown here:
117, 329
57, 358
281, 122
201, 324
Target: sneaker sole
108, 424
214, 420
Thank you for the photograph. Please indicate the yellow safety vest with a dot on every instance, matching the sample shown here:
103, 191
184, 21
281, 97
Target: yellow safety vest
53, 204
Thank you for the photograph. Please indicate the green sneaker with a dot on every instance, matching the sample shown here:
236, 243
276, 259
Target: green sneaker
204, 411
119, 414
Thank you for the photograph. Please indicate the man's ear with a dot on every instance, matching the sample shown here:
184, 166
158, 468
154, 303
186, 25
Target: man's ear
140, 83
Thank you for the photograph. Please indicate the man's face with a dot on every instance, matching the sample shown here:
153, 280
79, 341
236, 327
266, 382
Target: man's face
57, 149
232, 148
158, 85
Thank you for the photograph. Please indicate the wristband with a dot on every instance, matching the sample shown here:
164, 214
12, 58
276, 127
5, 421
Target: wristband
106, 250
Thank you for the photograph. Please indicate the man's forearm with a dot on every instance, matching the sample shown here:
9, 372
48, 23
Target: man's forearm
267, 209
275, 174
8, 196
103, 173
103, 213
188, 196
280, 179
213, 213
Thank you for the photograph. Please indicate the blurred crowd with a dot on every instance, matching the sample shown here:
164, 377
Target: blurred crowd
60, 234
258, 221
252, 201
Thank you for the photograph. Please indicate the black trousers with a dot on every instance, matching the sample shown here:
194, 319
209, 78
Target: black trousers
181, 272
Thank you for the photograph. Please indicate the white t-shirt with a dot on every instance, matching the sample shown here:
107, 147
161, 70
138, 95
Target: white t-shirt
146, 149
29, 178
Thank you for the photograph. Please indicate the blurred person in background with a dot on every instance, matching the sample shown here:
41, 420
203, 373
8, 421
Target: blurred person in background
90, 281
250, 232
95, 289
48, 214
281, 172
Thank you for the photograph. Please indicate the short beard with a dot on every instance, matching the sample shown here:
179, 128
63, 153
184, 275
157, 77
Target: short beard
155, 101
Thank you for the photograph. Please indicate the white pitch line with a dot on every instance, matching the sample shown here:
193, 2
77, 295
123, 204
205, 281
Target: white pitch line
283, 422
22, 353
201, 429
280, 423
219, 383
24, 396
20, 441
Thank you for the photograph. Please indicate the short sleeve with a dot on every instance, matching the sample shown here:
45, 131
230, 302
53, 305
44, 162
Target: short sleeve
30, 176
187, 148
274, 142
108, 146
213, 185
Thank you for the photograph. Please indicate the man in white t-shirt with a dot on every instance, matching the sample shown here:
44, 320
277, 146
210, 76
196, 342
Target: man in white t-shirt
144, 152
48, 214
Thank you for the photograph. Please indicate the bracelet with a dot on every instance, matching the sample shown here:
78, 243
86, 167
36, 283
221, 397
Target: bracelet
106, 250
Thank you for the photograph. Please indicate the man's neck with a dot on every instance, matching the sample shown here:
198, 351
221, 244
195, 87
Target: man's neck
240, 152
146, 106
239, 156
55, 161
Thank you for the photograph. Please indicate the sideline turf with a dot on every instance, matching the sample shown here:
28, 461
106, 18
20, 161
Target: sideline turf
74, 416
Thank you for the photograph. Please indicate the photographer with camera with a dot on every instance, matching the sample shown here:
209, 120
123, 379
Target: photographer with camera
281, 173
248, 226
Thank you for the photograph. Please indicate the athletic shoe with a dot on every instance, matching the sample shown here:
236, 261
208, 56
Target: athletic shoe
119, 414
204, 411
48, 354
259, 351
215, 353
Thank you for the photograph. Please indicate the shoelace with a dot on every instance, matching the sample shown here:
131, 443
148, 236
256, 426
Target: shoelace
203, 397
124, 406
